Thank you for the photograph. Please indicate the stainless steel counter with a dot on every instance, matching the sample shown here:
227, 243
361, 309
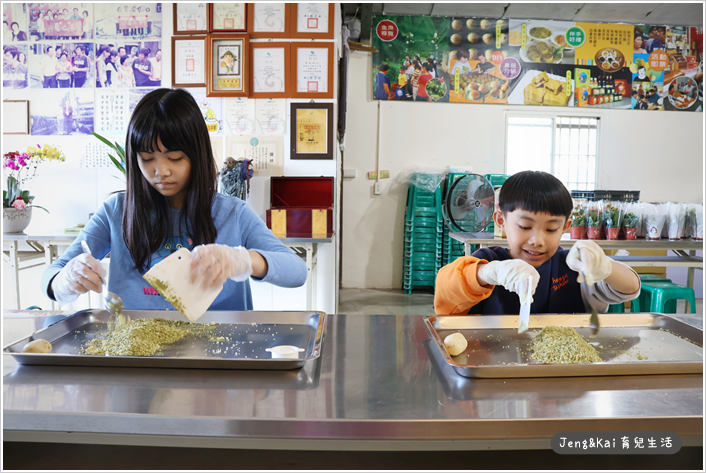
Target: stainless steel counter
379, 385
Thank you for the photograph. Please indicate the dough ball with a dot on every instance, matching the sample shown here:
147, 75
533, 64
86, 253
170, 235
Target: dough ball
37, 346
473, 37
489, 55
488, 38
472, 54
495, 84
485, 24
473, 86
503, 38
504, 87
455, 344
501, 23
456, 24
456, 38
475, 95
483, 88
470, 23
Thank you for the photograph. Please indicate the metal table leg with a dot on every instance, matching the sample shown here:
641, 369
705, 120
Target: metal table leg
309, 269
689, 281
15, 266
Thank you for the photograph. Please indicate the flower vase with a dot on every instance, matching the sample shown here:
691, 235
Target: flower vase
612, 233
630, 233
594, 233
576, 233
16, 220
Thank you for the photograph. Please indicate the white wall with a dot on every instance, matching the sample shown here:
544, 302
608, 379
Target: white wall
660, 154
71, 193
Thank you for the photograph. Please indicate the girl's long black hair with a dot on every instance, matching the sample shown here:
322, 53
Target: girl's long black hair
172, 116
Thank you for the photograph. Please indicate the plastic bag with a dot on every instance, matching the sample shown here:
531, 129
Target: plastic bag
674, 223
655, 216
640, 233
699, 226
424, 178
630, 221
594, 220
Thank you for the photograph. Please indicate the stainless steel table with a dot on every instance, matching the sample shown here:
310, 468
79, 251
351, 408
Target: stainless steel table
379, 386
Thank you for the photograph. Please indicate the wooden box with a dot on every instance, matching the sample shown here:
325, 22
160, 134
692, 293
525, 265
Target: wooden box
301, 207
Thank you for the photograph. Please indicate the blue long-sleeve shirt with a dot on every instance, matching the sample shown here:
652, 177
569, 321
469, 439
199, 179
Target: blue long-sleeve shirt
236, 224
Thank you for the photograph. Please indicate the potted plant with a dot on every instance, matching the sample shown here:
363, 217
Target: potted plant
20, 169
612, 216
578, 224
630, 225
594, 221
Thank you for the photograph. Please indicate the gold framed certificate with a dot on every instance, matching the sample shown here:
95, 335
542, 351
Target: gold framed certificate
228, 70
269, 20
270, 70
312, 70
227, 17
188, 61
312, 20
311, 131
190, 18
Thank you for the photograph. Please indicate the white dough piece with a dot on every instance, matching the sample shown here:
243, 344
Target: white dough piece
37, 346
171, 278
455, 344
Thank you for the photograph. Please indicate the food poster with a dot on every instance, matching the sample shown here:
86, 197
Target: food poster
538, 62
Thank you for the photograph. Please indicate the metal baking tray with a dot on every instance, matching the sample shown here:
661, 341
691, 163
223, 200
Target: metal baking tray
632, 344
251, 333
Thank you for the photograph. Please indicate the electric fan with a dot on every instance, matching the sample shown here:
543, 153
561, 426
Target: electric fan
469, 204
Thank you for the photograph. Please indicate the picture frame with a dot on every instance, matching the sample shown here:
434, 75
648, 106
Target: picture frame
15, 117
227, 17
270, 66
264, 20
189, 61
308, 20
311, 131
190, 19
312, 70
228, 65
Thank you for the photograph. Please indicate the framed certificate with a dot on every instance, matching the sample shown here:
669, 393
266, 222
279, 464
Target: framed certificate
190, 18
270, 69
15, 117
312, 20
312, 131
227, 17
269, 20
312, 70
189, 61
228, 61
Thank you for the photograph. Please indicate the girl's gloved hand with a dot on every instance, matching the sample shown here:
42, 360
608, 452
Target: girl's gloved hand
513, 274
589, 260
81, 274
215, 264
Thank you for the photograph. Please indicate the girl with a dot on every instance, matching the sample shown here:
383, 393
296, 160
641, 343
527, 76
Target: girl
170, 203
111, 69
63, 71
41, 27
125, 76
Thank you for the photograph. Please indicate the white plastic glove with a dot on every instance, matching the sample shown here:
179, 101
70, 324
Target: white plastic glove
514, 274
218, 263
80, 275
589, 260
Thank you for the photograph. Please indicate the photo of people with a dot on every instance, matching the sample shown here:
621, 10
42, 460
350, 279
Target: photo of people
60, 65
683, 94
67, 113
128, 64
14, 66
646, 96
60, 21
657, 38
128, 20
639, 40
14, 22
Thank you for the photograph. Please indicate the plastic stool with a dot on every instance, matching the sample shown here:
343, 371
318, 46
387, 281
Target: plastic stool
663, 297
616, 308
650, 278
644, 301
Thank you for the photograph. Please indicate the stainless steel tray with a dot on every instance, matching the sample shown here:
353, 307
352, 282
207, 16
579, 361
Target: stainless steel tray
252, 332
495, 349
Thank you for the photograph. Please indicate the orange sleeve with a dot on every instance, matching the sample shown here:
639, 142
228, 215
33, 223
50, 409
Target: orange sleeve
457, 288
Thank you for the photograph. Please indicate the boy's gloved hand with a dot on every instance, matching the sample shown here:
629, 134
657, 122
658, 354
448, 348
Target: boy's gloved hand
218, 263
80, 275
513, 274
589, 260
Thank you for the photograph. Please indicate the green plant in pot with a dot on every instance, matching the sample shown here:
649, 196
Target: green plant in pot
594, 220
118, 162
612, 215
630, 221
578, 223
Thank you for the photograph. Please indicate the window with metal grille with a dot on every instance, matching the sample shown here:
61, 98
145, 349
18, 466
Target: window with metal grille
565, 146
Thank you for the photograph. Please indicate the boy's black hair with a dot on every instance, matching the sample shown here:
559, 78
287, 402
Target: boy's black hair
536, 191
383, 68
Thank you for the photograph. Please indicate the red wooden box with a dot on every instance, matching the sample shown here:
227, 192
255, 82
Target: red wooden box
301, 207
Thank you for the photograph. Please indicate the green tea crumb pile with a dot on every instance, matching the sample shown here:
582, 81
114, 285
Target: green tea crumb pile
144, 337
562, 345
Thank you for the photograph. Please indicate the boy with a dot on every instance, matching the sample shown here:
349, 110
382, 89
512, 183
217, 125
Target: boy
403, 83
534, 212
462, 56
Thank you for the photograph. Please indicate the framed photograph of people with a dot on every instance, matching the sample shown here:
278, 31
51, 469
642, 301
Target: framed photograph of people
228, 59
189, 61
312, 70
190, 18
312, 20
15, 117
270, 69
269, 20
227, 17
312, 131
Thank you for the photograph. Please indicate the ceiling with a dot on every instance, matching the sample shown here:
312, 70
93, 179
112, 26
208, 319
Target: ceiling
673, 14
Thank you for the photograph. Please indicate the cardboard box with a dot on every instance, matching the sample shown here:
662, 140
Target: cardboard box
301, 207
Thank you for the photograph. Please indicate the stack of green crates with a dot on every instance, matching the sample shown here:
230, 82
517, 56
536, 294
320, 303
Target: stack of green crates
423, 231
496, 180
